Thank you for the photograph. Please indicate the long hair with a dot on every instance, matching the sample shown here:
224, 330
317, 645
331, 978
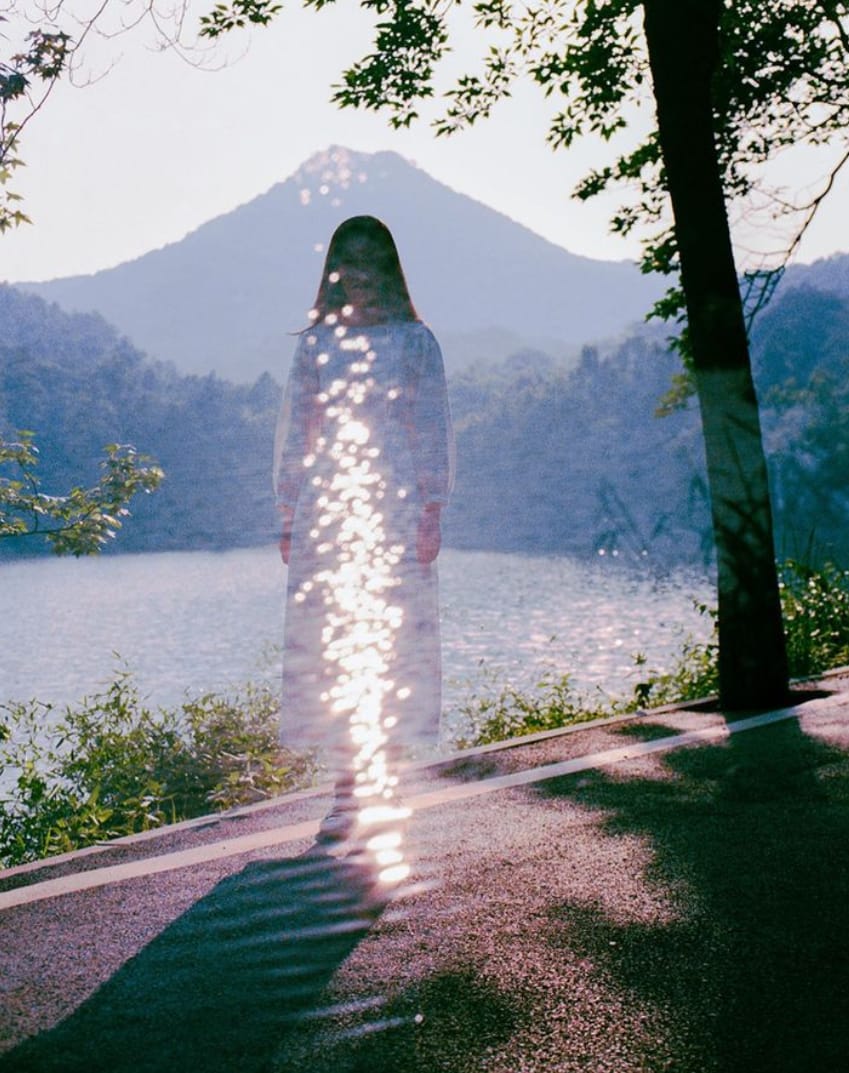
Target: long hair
381, 259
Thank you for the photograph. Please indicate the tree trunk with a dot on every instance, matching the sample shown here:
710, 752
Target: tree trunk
682, 38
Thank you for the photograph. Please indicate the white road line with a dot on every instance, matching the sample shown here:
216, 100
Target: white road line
233, 847
594, 760
166, 862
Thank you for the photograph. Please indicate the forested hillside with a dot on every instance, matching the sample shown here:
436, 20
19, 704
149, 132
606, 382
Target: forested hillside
550, 457
73, 381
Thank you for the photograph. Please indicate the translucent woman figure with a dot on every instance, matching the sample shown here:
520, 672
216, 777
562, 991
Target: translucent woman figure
363, 468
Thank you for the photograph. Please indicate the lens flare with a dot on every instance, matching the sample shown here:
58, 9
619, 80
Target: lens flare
361, 618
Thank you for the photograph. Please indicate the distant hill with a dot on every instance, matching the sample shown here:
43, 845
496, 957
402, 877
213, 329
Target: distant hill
551, 457
829, 275
224, 298
73, 381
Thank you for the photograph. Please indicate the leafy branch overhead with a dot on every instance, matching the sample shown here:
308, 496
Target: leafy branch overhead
42, 44
780, 82
27, 77
239, 13
84, 519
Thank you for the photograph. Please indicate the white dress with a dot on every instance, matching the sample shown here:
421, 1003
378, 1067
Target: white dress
364, 441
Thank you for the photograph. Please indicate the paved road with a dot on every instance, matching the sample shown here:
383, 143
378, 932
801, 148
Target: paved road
669, 892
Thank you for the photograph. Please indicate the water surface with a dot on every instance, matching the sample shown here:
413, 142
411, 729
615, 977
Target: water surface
191, 622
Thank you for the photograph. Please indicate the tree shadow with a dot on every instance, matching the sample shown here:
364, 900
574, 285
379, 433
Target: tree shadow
445, 1021
220, 988
749, 847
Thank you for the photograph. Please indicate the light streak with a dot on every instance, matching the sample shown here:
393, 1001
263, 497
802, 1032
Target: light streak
355, 587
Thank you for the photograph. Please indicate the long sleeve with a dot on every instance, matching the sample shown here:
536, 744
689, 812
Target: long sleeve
296, 426
433, 436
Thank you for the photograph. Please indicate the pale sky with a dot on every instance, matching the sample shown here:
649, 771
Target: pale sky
156, 147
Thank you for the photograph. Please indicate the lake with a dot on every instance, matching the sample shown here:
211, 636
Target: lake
191, 622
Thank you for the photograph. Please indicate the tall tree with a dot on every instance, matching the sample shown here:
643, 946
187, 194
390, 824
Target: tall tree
732, 81
683, 46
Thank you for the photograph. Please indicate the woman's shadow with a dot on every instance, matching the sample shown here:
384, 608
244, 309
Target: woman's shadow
222, 985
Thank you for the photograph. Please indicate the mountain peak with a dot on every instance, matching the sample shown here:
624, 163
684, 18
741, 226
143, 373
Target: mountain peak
334, 172
224, 297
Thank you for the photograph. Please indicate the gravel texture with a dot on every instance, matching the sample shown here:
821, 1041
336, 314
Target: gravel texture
683, 911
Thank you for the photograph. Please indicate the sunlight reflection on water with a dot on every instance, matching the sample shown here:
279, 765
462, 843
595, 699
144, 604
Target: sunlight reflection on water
198, 621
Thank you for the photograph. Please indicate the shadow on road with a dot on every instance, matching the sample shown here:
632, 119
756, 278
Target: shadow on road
219, 989
750, 839
733, 956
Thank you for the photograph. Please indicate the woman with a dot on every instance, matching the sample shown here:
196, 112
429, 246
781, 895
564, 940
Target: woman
363, 468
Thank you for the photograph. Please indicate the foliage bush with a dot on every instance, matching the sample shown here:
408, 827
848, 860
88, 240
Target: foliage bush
694, 675
112, 767
815, 604
815, 610
83, 520
502, 711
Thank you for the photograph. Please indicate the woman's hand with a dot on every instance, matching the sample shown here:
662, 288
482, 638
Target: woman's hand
429, 536
287, 516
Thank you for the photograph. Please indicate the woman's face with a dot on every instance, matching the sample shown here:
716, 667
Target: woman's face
360, 273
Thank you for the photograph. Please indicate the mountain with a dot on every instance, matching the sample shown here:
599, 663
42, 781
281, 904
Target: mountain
226, 296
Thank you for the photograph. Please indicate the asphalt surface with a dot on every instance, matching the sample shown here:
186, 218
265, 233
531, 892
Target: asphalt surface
668, 892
